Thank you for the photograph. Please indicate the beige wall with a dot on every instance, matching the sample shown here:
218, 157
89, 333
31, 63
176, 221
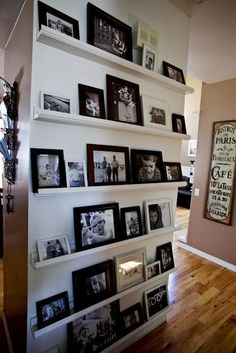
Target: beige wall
218, 103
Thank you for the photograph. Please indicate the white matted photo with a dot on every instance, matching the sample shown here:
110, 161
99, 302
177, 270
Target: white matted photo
149, 59
152, 270
158, 214
54, 102
76, 174
156, 113
53, 246
192, 148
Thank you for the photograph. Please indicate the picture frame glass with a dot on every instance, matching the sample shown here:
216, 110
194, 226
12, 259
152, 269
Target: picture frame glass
156, 113
158, 214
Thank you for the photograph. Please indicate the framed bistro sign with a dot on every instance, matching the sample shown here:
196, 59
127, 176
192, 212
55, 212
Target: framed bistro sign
219, 199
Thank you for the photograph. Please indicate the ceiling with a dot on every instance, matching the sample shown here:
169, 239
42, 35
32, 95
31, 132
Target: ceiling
212, 46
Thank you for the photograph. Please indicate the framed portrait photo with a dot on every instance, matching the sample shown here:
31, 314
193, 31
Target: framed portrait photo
172, 171
173, 72
130, 269
131, 222
152, 270
156, 299
76, 174
178, 124
123, 100
149, 58
156, 113
131, 318
48, 168
158, 214
192, 148
96, 225
146, 166
54, 246
107, 165
164, 254
108, 33
54, 102
91, 101
57, 20
52, 309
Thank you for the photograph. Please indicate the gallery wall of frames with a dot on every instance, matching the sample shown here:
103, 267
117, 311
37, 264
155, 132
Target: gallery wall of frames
106, 132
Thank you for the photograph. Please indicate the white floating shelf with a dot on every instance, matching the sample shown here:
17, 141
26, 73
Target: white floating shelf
79, 48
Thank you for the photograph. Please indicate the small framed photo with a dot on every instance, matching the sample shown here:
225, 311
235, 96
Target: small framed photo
192, 148
131, 222
92, 284
131, 318
54, 103
173, 72
91, 101
76, 174
108, 33
156, 113
52, 309
107, 165
146, 166
123, 100
149, 59
178, 123
51, 247
164, 254
130, 269
172, 171
48, 168
158, 214
152, 270
96, 225
156, 299
57, 20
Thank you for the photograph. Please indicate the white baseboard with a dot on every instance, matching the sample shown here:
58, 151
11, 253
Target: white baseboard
7, 333
207, 256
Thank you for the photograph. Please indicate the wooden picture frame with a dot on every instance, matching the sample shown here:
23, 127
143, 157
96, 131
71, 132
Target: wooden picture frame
47, 168
55, 103
53, 246
149, 58
107, 165
156, 113
164, 254
76, 174
91, 101
172, 171
131, 318
152, 270
156, 300
178, 123
131, 222
123, 101
158, 214
52, 18
173, 72
96, 225
108, 33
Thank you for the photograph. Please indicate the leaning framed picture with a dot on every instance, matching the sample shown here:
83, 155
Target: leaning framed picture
123, 101
130, 269
108, 33
173, 72
131, 222
172, 171
47, 168
178, 123
164, 254
158, 214
107, 165
76, 174
92, 284
53, 102
156, 300
152, 270
96, 225
57, 20
156, 113
52, 309
192, 148
149, 58
53, 246
91, 101
131, 318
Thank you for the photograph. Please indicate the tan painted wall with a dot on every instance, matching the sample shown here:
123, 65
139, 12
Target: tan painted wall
218, 104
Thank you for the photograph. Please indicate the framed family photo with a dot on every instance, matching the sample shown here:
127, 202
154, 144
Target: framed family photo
108, 33
131, 222
158, 214
96, 225
91, 101
54, 102
54, 246
152, 270
156, 113
123, 100
149, 58
131, 318
178, 123
172, 171
173, 72
156, 299
164, 254
76, 174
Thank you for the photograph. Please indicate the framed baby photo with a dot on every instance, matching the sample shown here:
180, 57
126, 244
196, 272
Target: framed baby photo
158, 214
172, 171
93, 284
53, 246
107, 165
173, 72
156, 300
55, 102
108, 33
131, 222
152, 270
91, 101
146, 166
178, 124
164, 254
96, 225
57, 20
47, 168
52, 309
76, 174
149, 58
156, 113
131, 318
123, 100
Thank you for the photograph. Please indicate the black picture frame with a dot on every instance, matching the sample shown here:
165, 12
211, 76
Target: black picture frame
143, 161
123, 101
88, 227
47, 169
108, 33
173, 72
52, 309
66, 25
91, 101
131, 222
156, 300
107, 165
172, 171
178, 123
131, 318
93, 284
164, 254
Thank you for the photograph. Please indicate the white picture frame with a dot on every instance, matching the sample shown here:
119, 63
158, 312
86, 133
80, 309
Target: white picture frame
192, 148
156, 113
56, 102
156, 300
152, 270
53, 246
158, 215
76, 174
149, 58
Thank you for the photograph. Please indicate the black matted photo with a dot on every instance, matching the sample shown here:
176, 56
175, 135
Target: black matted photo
164, 254
158, 214
53, 246
55, 103
131, 318
172, 171
131, 222
156, 299
173, 72
91, 101
178, 123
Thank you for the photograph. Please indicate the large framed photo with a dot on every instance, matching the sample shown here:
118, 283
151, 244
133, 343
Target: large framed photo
54, 102
152, 270
107, 164
93, 284
178, 123
147, 166
50, 247
76, 174
91, 101
93, 332
57, 20
123, 100
52, 309
164, 254
156, 113
108, 33
158, 214
48, 168
149, 58
96, 225
172, 171
131, 318
173, 72
131, 222
130, 269
156, 299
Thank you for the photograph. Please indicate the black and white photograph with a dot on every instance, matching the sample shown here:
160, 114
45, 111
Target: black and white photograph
172, 171
149, 59
173, 72
54, 246
156, 113
55, 103
158, 214
164, 254
131, 222
192, 148
131, 318
153, 269
76, 174
91, 101
178, 123
156, 299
